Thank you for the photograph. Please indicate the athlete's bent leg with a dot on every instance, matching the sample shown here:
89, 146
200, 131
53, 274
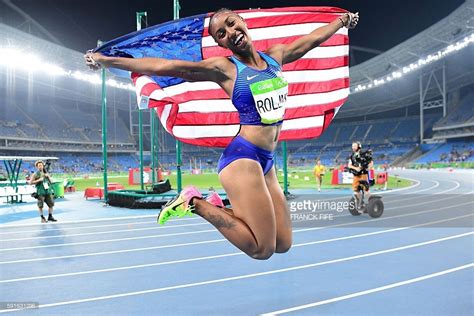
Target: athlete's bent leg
284, 231
250, 224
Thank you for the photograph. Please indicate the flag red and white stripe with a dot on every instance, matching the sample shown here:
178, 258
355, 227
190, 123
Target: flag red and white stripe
200, 113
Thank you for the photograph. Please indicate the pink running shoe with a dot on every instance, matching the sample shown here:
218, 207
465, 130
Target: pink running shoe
215, 199
179, 206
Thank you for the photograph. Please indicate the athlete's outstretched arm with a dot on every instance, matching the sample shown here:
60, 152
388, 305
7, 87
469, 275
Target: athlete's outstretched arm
288, 53
206, 70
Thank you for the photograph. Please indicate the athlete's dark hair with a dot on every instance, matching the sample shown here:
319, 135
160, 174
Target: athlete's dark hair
221, 10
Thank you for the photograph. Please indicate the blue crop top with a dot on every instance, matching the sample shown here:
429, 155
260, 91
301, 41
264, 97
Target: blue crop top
260, 95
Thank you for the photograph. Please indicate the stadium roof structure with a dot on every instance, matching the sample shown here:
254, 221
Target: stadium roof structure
27, 158
48, 61
405, 90
11, 37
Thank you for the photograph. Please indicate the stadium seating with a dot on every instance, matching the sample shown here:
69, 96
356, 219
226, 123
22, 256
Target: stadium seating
459, 114
79, 126
459, 151
65, 121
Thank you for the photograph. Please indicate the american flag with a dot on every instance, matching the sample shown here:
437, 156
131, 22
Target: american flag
200, 113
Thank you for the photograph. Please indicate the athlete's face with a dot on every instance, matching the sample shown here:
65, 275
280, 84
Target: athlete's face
230, 31
355, 147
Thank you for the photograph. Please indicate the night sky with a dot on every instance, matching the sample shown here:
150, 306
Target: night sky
78, 24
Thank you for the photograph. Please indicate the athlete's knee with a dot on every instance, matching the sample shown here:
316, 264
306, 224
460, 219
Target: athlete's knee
283, 245
263, 255
263, 252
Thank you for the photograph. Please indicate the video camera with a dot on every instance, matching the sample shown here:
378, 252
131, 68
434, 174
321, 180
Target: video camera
363, 161
47, 165
365, 158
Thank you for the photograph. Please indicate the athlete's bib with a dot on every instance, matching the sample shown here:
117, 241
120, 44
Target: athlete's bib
270, 99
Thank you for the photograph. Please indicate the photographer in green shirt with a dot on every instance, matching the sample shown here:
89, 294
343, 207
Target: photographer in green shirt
44, 193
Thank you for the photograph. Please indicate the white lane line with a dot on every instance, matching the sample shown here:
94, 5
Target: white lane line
75, 228
105, 232
452, 189
457, 185
252, 275
131, 217
145, 237
437, 184
382, 231
110, 240
384, 192
145, 216
430, 188
385, 218
374, 290
417, 184
116, 251
79, 221
430, 201
387, 204
107, 219
50, 276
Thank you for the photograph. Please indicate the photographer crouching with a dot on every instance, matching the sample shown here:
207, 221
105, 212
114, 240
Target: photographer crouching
44, 193
359, 164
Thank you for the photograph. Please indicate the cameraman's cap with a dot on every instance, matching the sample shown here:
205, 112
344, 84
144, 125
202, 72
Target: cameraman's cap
37, 162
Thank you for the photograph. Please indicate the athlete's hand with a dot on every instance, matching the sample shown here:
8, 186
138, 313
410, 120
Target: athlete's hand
91, 60
351, 20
